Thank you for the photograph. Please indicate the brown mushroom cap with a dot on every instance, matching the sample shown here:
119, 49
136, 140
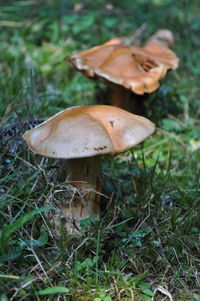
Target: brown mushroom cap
163, 37
87, 131
92, 58
135, 68
155, 59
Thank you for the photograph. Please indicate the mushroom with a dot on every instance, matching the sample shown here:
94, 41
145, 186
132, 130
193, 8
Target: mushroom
164, 37
82, 135
126, 68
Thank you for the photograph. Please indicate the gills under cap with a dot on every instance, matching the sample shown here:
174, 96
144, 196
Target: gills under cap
87, 131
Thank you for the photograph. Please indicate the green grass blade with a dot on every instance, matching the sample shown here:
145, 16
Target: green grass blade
53, 290
9, 277
9, 229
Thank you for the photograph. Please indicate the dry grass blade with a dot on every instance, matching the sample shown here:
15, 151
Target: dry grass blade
163, 291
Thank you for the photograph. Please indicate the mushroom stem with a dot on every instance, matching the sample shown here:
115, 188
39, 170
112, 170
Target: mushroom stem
84, 176
120, 97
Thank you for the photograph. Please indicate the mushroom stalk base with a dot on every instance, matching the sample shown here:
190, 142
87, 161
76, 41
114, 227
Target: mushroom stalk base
84, 202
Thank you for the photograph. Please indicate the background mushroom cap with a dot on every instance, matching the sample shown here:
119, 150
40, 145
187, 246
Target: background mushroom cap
92, 58
163, 37
87, 131
136, 68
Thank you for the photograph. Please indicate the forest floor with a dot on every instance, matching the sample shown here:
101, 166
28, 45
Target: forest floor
146, 244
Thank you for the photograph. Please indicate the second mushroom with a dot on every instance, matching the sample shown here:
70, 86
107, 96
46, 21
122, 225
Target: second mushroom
126, 68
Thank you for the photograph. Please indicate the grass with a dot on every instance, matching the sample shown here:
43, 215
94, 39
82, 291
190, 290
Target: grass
148, 237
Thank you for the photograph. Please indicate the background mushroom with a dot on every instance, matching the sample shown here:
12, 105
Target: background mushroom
126, 68
82, 135
164, 37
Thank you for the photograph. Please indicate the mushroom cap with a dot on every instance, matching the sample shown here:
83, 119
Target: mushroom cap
87, 131
163, 37
92, 58
135, 68
155, 59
